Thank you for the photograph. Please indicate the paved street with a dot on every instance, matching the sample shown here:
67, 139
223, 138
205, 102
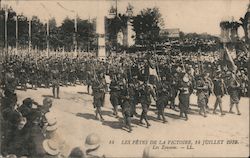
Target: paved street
76, 119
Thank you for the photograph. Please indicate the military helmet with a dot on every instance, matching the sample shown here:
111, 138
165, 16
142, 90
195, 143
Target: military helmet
92, 141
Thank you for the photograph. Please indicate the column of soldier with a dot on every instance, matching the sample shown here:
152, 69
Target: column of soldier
131, 82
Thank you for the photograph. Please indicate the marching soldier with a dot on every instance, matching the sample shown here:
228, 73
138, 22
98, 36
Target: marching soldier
33, 76
55, 78
202, 93
219, 90
162, 97
145, 92
89, 75
10, 82
72, 75
114, 94
185, 87
125, 104
98, 89
65, 74
46, 76
134, 94
173, 90
234, 90
210, 85
23, 78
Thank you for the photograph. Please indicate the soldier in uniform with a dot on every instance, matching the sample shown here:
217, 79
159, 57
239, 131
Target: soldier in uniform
162, 93
125, 104
219, 90
210, 85
33, 76
134, 94
89, 75
173, 90
10, 82
72, 75
23, 78
46, 75
185, 87
234, 90
55, 78
114, 94
145, 92
202, 93
98, 89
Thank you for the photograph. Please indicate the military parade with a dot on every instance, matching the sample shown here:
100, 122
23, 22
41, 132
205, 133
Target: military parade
134, 85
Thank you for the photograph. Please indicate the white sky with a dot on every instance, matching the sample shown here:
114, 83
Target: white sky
189, 15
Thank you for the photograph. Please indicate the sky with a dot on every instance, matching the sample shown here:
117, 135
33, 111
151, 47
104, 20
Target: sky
200, 16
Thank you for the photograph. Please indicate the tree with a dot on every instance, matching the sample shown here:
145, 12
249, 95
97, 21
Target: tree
23, 30
244, 23
54, 37
85, 33
38, 33
113, 26
147, 26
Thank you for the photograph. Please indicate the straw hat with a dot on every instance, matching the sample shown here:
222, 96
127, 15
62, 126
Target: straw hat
51, 147
92, 141
52, 122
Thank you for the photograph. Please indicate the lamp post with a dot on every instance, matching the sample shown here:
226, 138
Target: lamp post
16, 18
29, 50
6, 30
47, 38
47, 29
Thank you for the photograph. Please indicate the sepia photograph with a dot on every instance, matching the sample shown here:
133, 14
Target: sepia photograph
124, 78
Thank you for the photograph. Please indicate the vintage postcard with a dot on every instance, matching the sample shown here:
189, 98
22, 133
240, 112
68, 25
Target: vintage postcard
124, 78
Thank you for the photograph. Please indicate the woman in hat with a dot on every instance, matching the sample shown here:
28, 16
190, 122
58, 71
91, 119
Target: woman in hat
185, 87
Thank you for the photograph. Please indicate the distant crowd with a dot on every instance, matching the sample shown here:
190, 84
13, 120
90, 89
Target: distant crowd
134, 80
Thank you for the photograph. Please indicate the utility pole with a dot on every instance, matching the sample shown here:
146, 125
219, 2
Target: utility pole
16, 34
48, 54
6, 29
30, 35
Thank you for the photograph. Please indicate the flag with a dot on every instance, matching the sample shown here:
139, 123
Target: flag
227, 58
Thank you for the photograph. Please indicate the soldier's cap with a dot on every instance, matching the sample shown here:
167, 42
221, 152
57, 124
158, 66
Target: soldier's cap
51, 147
92, 141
